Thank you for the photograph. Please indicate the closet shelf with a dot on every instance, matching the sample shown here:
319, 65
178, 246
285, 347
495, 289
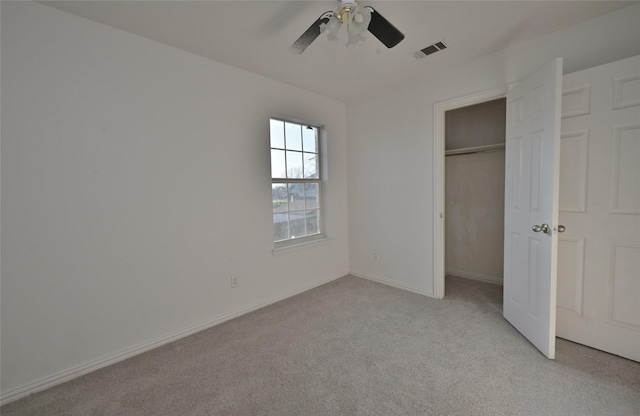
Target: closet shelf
477, 149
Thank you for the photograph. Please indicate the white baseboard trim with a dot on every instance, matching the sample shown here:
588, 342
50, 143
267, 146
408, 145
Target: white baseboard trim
391, 282
75, 372
476, 276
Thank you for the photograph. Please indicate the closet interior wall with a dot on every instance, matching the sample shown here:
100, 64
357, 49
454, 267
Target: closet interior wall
474, 191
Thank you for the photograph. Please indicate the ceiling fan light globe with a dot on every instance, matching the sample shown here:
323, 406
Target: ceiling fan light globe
331, 28
359, 20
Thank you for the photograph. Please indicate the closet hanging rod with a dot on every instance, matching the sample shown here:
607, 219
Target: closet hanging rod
477, 149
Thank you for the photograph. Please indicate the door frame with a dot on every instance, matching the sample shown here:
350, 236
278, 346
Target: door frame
439, 110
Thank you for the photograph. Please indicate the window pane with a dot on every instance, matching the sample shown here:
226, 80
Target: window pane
280, 227
277, 133
294, 136
296, 196
294, 165
278, 169
280, 197
313, 222
310, 165
309, 139
297, 224
311, 195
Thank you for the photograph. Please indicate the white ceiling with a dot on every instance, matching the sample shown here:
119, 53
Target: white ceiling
255, 35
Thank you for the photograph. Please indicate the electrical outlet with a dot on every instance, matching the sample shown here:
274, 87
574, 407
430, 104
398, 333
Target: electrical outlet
234, 281
375, 255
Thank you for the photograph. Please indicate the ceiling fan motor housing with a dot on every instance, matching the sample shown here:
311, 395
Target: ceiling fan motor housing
344, 9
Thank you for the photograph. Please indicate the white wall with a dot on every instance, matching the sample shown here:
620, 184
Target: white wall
135, 181
390, 144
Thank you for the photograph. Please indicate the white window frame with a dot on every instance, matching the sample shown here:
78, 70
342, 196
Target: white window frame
320, 235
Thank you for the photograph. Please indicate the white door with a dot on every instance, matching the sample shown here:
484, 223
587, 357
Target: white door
599, 254
531, 201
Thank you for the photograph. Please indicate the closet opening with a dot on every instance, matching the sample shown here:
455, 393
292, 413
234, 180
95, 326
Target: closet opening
474, 182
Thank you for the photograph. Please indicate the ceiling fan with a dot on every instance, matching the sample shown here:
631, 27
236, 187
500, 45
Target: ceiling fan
358, 19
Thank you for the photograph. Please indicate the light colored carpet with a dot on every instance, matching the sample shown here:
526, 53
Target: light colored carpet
354, 347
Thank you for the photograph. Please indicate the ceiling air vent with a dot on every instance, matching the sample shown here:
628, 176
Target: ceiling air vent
430, 49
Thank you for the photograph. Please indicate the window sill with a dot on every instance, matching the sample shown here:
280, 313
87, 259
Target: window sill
298, 246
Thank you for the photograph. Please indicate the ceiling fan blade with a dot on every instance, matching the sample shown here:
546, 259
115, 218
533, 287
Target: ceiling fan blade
309, 35
382, 29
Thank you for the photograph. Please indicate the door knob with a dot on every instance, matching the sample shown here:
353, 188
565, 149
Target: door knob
544, 228
561, 228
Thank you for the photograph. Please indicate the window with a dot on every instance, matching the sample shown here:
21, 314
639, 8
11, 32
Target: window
295, 181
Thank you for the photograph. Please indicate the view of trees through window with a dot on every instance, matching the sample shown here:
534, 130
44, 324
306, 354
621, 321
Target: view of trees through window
295, 180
